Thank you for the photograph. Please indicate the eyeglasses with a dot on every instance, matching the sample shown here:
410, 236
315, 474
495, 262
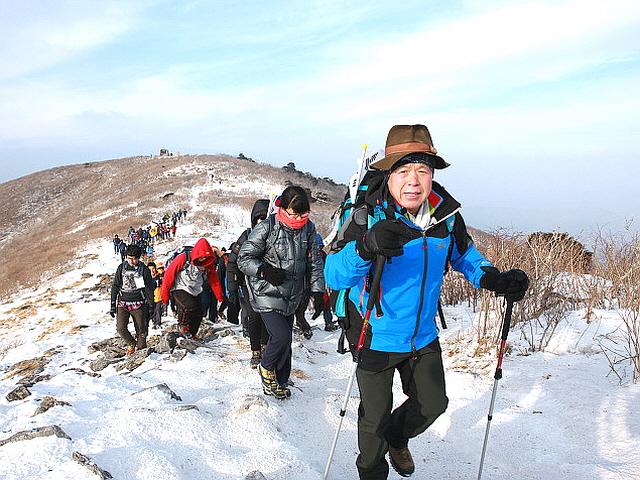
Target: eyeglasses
295, 215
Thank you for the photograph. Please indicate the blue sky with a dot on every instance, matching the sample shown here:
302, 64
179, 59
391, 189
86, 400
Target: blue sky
535, 104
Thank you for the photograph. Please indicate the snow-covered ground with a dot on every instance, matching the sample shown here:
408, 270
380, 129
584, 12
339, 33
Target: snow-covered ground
557, 415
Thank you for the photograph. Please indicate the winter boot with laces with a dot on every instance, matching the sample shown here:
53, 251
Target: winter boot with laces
401, 461
270, 384
284, 390
256, 356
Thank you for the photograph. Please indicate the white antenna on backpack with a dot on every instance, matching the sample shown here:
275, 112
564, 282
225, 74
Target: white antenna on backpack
272, 203
355, 179
354, 182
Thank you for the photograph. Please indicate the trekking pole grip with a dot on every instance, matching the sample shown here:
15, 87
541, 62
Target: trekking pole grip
375, 282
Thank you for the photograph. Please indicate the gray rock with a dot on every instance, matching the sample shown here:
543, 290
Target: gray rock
184, 408
250, 401
18, 393
162, 387
35, 433
112, 344
168, 342
91, 465
31, 380
135, 360
177, 355
255, 475
102, 362
79, 371
49, 402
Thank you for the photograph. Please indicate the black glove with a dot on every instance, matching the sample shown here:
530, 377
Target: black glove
512, 284
274, 275
386, 238
318, 304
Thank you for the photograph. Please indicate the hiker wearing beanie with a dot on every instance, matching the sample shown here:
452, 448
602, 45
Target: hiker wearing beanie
416, 225
183, 282
276, 257
132, 297
239, 293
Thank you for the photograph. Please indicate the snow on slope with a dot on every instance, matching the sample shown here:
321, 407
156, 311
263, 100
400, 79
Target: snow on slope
557, 414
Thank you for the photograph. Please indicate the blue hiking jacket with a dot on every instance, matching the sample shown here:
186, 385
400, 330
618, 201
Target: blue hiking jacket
410, 284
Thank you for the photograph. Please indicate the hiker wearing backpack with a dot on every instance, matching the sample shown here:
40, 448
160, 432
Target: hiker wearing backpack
122, 248
414, 223
132, 297
116, 243
239, 293
275, 258
183, 282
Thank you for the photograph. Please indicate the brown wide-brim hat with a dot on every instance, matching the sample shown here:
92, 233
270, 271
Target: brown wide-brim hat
405, 139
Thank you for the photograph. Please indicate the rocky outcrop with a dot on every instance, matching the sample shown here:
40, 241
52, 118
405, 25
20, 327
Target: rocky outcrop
49, 402
161, 387
91, 465
18, 393
35, 433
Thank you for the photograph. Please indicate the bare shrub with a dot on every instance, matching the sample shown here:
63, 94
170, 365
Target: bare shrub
621, 267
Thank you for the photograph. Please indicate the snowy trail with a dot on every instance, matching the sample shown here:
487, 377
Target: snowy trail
557, 415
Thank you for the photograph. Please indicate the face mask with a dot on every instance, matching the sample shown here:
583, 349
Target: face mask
296, 223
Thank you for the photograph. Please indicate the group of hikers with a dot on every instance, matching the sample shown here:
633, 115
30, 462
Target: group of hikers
146, 237
394, 246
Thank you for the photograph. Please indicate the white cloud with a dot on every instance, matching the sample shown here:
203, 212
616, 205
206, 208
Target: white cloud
38, 38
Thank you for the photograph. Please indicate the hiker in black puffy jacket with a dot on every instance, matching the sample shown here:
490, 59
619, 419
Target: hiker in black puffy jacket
275, 258
239, 294
132, 296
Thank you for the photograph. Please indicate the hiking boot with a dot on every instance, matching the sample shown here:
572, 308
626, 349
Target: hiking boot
270, 384
401, 461
330, 327
131, 349
307, 334
184, 329
141, 342
284, 390
256, 356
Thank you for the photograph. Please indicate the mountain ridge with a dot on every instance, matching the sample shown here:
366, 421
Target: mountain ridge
48, 215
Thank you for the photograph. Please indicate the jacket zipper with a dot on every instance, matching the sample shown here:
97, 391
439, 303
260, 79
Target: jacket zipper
414, 353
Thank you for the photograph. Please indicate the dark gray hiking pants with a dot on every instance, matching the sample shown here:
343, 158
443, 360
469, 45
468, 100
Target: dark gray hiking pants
422, 381
139, 323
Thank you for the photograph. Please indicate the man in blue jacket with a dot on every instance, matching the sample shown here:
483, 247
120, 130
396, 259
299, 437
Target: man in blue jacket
417, 226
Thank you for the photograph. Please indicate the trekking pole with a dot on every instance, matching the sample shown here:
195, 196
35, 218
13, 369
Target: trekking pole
375, 285
498, 375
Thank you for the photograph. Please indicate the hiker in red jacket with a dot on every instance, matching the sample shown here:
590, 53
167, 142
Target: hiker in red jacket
183, 281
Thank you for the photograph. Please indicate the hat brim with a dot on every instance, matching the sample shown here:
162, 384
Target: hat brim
387, 162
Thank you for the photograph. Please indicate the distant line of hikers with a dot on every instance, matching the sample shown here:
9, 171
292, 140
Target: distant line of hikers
146, 237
